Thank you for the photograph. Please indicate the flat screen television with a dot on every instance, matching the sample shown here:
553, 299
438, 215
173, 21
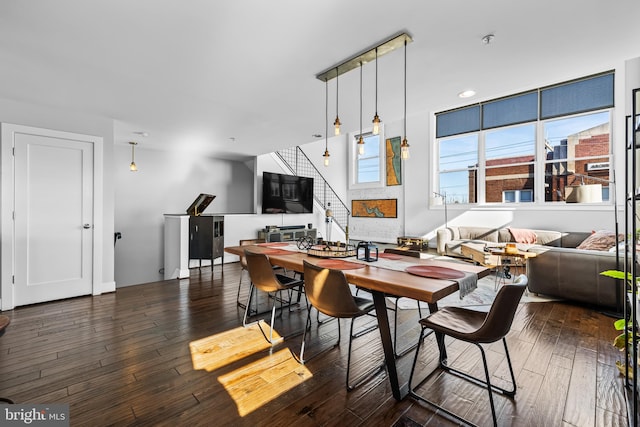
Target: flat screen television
288, 194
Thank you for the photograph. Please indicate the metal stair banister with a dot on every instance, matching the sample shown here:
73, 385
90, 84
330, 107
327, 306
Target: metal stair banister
299, 164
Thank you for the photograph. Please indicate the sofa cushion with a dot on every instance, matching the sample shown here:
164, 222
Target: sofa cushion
523, 235
548, 237
479, 233
600, 241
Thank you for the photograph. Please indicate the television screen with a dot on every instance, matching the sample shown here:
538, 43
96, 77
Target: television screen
286, 194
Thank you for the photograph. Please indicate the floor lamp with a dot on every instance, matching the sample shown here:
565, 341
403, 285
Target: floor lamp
443, 196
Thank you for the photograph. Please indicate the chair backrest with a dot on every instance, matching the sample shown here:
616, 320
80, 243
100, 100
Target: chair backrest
500, 317
261, 272
328, 291
245, 242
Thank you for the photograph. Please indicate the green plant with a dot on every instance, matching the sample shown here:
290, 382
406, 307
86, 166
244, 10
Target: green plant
625, 339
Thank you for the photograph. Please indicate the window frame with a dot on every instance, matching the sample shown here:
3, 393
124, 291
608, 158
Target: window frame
539, 163
354, 160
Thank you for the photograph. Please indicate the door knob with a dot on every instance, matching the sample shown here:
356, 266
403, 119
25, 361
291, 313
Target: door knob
86, 226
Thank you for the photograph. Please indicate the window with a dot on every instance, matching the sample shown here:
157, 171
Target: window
510, 155
577, 152
517, 196
533, 146
458, 165
368, 168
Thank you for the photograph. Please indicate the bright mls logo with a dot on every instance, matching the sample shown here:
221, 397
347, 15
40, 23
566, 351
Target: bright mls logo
35, 415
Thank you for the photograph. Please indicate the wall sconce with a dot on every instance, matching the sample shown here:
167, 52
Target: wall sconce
132, 166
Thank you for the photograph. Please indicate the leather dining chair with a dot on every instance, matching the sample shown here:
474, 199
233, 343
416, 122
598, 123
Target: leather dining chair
328, 291
243, 266
264, 278
477, 328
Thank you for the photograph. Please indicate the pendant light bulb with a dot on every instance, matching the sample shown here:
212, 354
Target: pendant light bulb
132, 166
360, 140
361, 146
326, 124
376, 125
404, 149
376, 118
337, 123
404, 146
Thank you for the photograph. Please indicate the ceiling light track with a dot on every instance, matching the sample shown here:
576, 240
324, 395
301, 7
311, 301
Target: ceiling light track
394, 42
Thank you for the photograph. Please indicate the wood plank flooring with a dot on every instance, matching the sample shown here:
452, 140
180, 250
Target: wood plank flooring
175, 353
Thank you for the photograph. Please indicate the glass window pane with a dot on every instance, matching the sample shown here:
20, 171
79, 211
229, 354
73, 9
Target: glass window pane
508, 178
580, 136
576, 97
458, 121
508, 111
510, 145
458, 153
509, 196
460, 186
526, 196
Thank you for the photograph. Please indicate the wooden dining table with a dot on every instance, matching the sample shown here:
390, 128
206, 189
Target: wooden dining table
380, 282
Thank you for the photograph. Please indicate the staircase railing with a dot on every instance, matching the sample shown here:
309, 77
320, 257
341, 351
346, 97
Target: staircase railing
299, 164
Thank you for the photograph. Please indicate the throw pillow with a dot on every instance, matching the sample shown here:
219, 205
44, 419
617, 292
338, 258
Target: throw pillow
600, 241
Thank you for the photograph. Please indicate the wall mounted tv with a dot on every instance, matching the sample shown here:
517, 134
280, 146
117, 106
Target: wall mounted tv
288, 194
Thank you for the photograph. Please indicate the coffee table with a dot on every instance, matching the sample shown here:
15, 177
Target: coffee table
497, 258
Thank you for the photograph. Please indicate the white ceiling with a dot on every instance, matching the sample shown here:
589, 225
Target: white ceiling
196, 73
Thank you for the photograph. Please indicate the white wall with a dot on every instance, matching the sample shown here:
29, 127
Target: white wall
419, 217
167, 182
43, 117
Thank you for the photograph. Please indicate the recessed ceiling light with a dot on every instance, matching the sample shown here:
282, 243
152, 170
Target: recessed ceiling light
467, 93
316, 135
145, 134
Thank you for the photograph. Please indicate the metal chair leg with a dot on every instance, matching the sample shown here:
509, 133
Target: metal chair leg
484, 383
366, 376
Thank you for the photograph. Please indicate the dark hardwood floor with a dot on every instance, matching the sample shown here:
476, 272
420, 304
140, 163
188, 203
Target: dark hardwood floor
175, 353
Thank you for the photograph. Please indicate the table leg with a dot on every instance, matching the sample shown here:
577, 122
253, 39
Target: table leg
399, 392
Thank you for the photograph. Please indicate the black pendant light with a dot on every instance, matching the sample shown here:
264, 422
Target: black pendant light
360, 140
326, 123
376, 118
337, 123
404, 145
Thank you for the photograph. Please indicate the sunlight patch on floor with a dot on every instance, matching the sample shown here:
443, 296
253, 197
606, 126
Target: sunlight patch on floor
221, 349
260, 382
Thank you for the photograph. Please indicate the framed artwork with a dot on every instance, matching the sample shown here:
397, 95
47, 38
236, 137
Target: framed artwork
375, 208
394, 162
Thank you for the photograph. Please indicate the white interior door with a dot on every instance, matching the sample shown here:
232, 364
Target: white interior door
53, 226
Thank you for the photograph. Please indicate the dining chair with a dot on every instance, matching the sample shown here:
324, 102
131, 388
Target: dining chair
475, 327
243, 266
328, 291
264, 278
